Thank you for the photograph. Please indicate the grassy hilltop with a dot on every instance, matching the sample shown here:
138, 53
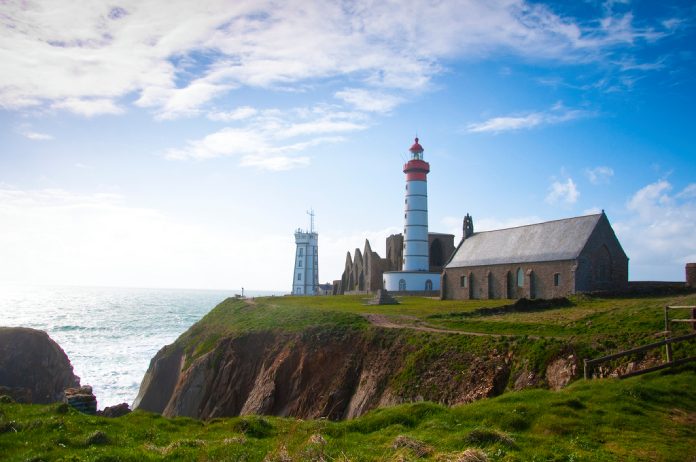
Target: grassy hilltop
651, 417
592, 326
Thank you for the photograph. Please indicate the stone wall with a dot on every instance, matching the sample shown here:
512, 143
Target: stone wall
691, 275
539, 280
602, 264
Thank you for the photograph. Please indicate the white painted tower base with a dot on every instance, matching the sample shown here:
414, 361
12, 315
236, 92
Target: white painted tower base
411, 281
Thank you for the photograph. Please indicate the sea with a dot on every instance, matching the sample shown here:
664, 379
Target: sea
110, 334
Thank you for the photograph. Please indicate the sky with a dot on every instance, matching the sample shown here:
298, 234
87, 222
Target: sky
180, 144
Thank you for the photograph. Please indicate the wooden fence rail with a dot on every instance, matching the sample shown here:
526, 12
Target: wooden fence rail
668, 341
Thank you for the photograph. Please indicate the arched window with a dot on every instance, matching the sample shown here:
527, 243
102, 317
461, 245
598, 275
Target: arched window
520, 277
489, 278
472, 294
428, 285
402, 284
510, 284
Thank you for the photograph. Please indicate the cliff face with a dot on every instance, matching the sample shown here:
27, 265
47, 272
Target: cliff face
318, 373
33, 368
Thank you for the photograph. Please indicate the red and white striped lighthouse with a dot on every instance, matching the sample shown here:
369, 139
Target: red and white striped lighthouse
414, 276
416, 211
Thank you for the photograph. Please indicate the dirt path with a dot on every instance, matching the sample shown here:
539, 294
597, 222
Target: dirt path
381, 320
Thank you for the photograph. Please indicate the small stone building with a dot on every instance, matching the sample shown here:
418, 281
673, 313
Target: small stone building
544, 260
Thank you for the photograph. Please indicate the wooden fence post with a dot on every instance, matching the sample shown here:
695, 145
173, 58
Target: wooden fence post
668, 333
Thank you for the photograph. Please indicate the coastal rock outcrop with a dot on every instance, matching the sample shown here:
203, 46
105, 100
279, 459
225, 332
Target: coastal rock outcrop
33, 367
312, 374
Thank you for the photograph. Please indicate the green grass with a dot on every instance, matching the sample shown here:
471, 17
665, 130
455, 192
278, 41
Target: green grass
587, 325
652, 417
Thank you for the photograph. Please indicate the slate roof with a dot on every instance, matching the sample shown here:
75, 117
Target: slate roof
549, 241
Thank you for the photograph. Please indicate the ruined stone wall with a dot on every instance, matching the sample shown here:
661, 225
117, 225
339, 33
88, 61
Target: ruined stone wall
363, 271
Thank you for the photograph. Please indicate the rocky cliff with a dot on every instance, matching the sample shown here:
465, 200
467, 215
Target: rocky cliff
333, 373
33, 368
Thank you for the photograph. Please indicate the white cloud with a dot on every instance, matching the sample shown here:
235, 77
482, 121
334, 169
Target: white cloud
271, 138
368, 101
557, 114
689, 192
658, 233
599, 175
26, 131
55, 236
179, 55
89, 107
566, 192
240, 113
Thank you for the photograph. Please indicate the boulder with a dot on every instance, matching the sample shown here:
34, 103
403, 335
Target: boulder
115, 411
82, 399
33, 368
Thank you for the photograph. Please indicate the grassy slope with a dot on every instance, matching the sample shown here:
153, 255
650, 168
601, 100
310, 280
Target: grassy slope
592, 326
651, 417
646, 418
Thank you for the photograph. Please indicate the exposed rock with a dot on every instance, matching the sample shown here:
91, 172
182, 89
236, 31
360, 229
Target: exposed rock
82, 399
525, 378
560, 372
16, 394
312, 374
115, 411
33, 367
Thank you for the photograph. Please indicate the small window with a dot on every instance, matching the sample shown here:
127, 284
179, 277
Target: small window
299, 263
557, 279
520, 277
301, 251
402, 284
428, 285
463, 282
299, 276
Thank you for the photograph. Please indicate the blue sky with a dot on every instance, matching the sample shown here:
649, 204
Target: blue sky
173, 144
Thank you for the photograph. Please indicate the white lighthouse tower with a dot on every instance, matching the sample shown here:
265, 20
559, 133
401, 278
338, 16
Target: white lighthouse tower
415, 276
306, 270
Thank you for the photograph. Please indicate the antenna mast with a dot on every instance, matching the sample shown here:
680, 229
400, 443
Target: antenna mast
311, 220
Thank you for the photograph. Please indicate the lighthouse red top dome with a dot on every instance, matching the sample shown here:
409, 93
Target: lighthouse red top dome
416, 148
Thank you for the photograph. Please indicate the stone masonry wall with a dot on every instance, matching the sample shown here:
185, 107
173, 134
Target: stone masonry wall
500, 281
